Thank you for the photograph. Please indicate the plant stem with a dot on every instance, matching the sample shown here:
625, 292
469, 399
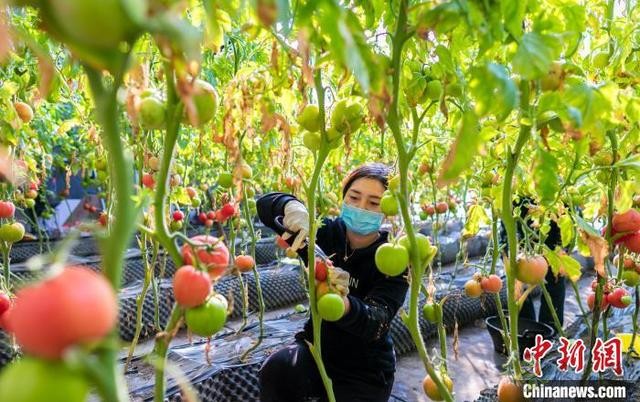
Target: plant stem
417, 269
122, 228
556, 320
510, 227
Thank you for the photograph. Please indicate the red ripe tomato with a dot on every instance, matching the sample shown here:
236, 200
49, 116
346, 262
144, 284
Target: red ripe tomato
491, 284
7, 209
619, 298
148, 181
282, 243
321, 270
632, 242
202, 217
86, 206
211, 215
191, 192
103, 219
211, 252
190, 286
591, 301
442, 207
178, 215
531, 269
220, 216
75, 306
628, 221
208, 223
245, 263
5, 303
34, 185
227, 210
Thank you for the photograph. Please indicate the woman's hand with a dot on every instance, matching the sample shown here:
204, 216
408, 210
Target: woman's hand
296, 219
338, 280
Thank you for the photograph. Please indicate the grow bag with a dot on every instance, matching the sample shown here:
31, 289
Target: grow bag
281, 286
527, 331
618, 321
228, 379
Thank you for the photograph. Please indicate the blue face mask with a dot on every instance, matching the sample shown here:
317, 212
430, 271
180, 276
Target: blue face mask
360, 220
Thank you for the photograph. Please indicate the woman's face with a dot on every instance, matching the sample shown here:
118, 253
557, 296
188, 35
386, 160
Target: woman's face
365, 193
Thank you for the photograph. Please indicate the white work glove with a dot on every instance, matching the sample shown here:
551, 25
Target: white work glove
296, 219
338, 280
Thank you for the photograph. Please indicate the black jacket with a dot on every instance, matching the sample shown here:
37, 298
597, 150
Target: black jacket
359, 342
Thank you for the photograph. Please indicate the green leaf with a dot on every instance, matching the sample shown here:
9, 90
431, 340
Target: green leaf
348, 45
535, 54
513, 13
584, 225
462, 151
494, 91
545, 176
567, 232
586, 105
568, 264
632, 162
476, 216
624, 196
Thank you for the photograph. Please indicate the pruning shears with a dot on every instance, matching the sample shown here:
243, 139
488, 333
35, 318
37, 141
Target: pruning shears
280, 225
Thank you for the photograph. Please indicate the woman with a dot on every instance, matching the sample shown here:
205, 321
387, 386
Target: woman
356, 349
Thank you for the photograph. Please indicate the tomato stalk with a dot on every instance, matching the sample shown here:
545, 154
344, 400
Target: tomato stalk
510, 227
404, 157
316, 347
174, 114
148, 278
556, 320
576, 291
494, 262
122, 228
602, 279
252, 233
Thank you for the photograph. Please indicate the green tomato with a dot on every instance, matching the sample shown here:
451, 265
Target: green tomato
331, 307
333, 134
29, 203
36, 380
152, 113
394, 184
631, 278
12, 232
434, 89
205, 101
392, 259
600, 59
423, 215
429, 312
100, 24
175, 225
454, 89
195, 202
554, 77
312, 141
299, 308
389, 204
225, 180
209, 318
309, 118
426, 251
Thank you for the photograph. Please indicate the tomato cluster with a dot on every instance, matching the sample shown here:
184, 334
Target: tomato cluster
626, 229
10, 231
330, 305
614, 296
206, 311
